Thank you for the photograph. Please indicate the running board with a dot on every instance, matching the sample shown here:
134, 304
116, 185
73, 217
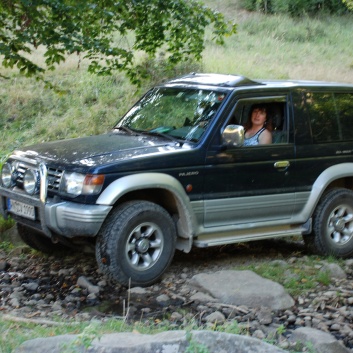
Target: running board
216, 239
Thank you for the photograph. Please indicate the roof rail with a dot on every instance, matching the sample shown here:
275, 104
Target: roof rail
214, 80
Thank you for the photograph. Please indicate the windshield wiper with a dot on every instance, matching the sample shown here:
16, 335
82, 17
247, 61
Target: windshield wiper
126, 129
160, 134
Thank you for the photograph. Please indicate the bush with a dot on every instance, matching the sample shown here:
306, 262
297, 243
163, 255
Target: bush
295, 7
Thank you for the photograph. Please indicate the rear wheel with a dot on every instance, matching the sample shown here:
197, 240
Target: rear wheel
38, 241
333, 224
136, 244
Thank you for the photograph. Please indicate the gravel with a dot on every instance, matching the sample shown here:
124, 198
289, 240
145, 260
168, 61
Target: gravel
37, 287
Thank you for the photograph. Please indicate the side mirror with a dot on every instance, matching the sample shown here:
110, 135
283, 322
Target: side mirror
233, 136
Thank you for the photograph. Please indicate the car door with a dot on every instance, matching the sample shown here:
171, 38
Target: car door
247, 186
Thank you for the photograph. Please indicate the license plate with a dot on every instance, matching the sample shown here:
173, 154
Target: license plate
21, 209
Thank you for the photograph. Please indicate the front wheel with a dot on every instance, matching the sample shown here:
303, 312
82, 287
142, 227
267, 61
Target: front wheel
136, 244
333, 224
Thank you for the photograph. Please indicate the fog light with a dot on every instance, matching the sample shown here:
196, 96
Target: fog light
6, 175
31, 181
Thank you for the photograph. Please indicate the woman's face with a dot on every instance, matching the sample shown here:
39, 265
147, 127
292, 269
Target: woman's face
258, 116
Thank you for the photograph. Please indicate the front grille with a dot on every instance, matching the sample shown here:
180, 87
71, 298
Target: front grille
20, 172
54, 178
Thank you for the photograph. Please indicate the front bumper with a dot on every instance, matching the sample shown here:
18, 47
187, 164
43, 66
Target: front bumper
67, 219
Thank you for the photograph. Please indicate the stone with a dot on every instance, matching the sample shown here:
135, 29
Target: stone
322, 342
215, 318
166, 342
202, 298
334, 270
243, 288
83, 282
264, 315
163, 300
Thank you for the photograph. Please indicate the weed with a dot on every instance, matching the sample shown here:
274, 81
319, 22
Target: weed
195, 347
84, 339
5, 224
6, 246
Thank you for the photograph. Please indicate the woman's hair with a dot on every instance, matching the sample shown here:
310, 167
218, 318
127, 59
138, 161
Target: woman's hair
261, 107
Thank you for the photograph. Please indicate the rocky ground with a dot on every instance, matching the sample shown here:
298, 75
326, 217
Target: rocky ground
36, 287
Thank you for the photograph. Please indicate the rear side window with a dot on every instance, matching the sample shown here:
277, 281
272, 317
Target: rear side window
344, 103
331, 116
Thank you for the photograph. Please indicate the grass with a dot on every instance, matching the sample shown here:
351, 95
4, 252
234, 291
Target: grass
297, 278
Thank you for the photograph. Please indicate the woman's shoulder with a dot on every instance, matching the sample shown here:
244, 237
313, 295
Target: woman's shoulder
265, 137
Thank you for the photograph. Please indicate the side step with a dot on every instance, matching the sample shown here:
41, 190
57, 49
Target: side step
215, 239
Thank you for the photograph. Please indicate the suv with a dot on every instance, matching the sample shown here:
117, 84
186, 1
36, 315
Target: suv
173, 173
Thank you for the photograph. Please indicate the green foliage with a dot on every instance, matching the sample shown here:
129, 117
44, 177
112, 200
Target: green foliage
107, 33
297, 7
349, 4
6, 246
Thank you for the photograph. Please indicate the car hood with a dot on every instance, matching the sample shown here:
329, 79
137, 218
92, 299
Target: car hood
97, 150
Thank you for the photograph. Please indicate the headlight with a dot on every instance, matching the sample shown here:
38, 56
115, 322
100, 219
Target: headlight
77, 184
31, 181
6, 175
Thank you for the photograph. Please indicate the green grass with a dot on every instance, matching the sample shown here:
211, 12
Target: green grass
297, 278
5, 224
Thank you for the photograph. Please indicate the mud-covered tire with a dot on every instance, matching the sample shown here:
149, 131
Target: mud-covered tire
136, 243
333, 225
38, 241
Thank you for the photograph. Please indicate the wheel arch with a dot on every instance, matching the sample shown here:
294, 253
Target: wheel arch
161, 189
337, 176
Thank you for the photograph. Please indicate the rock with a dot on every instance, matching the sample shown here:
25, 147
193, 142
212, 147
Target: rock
83, 282
163, 300
32, 286
334, 270
202, 298
175, 316
215, 318
4, 265
166, 342
322, 342
243, 288
264, 316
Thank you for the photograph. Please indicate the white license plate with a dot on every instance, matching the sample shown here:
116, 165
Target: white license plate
21, 209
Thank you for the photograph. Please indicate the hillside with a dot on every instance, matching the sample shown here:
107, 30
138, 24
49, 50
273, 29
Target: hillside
265, 46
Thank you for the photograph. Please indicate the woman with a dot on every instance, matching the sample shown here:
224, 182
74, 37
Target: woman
258, 128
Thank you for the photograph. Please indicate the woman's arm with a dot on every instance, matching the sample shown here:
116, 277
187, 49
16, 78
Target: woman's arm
265, 138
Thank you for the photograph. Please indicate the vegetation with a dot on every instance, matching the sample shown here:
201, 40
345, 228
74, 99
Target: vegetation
296, 278
106, 33
297, 7
270, 46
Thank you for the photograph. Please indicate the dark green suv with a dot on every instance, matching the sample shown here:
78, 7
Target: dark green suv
175, 173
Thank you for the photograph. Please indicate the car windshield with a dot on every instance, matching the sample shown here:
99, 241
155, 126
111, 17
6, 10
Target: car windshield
177, 112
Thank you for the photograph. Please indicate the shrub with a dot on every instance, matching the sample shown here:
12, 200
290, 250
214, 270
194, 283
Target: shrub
295, 7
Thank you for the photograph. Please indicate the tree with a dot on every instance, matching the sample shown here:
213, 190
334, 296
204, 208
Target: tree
349, 4
106, 32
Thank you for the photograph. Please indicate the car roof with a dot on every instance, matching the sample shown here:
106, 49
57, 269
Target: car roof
233, 81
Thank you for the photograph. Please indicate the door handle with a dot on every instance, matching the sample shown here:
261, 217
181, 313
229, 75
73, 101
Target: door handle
282, 164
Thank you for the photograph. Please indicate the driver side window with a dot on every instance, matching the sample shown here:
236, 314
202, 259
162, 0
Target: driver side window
275, 116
